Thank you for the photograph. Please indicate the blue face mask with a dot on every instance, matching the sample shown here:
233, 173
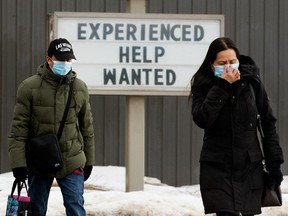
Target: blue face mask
61, 68
218, 70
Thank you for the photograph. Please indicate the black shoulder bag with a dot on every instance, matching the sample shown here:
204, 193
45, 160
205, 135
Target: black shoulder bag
43, 152
270, 197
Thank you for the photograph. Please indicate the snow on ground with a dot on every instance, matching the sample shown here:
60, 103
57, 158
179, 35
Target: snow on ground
105, 196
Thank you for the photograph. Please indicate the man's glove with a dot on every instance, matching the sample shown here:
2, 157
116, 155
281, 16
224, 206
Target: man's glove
87, 172
20, 173
275, 176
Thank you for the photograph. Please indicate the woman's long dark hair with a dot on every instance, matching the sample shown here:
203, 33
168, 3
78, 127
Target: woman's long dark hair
203, 78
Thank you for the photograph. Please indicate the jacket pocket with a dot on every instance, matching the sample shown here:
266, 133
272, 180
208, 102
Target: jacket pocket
256, 175
256, 172
212, 157
213, 171
255, 156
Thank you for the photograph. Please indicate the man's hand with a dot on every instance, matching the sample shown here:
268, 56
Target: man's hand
20, 173
87, 172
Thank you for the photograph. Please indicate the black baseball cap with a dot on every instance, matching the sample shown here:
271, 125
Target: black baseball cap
61, 49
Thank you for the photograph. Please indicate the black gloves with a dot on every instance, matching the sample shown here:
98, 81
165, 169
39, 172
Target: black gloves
275, 176
20, 173
87, 172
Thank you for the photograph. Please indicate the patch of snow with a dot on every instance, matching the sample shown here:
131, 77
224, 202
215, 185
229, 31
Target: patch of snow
105, 196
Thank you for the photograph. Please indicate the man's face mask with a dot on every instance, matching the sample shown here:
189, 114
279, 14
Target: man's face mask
218, 69
61, 68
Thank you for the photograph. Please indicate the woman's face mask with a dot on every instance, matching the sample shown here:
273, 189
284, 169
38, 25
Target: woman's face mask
218, 69
61, 68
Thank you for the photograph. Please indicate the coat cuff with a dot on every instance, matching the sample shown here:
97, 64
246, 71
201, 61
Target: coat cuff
223, 84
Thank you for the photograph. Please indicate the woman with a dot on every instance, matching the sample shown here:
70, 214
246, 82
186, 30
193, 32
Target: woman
231, 171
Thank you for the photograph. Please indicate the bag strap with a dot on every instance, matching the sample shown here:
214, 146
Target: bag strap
20, 185
65, 111
14, 187
259, 127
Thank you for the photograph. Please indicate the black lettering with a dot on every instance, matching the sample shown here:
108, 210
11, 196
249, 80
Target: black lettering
143, 32
170, 77
81, 31
159, 52
136, 53
131, 30
147, 71
145, 59
186, 32
153, 32
124, 54
136, 76
109, 76
158, 76
107, 29
165, 32
124, 77
94, 29
119, 31
198, 33
173, 35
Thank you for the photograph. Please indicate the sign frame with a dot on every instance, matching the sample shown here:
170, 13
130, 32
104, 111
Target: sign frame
53, 34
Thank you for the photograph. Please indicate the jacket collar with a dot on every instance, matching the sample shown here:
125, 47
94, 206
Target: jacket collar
47, 74
248, 68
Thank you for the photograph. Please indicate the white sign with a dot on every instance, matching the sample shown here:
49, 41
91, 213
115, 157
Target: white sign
128, 54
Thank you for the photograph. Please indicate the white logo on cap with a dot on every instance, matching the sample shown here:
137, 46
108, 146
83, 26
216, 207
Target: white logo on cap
64, 47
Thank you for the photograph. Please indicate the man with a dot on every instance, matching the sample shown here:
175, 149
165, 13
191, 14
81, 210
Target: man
39, 108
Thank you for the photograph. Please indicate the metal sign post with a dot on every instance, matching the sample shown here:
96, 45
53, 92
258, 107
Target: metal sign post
135, 143
135, 128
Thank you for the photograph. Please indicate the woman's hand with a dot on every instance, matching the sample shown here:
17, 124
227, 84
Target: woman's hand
232, 75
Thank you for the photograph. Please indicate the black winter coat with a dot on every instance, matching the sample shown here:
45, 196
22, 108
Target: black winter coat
231, 176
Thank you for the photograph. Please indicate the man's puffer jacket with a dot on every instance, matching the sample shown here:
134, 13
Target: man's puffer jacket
40, 104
